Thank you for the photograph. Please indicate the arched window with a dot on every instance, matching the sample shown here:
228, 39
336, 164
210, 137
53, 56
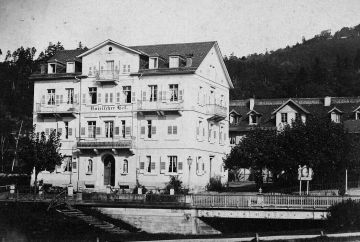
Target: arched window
125, 166
90, 166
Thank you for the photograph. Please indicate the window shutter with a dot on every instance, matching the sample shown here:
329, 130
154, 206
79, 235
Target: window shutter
162, 167
61, 98
76, 98
164, 96
197, 131
47, 131
57, 99
43, 99
106, 97
70, 131
83, 99
144, 96
153, 166
117, 130
180, 167
82, 130
111, 97
181, 93
118, 97
142, 166
159, 95
127, 130
169, 129
153, 129
133, 97
142, 131
60, 131
174, 129
99, 98
98, 130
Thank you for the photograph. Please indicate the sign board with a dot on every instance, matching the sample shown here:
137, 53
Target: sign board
305, 173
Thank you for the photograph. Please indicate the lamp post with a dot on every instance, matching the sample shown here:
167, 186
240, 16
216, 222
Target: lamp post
189, 162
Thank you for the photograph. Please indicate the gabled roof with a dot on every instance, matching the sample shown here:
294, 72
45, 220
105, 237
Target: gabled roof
198, 49
64, 56
233, 111
109, 41
253, 111
335, 109
356, 109
294, 103
222, 63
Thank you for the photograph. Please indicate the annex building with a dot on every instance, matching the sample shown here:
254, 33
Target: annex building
135, 114
275, 113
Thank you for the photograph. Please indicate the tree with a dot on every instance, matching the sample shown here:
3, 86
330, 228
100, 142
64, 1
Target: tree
38, 152
318, 143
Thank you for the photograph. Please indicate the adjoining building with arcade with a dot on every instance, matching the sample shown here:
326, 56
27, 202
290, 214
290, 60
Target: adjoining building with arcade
133, 115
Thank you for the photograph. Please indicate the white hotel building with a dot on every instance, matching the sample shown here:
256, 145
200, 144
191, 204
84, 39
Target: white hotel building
131, 114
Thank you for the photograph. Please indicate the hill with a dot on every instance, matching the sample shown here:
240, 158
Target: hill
324, 65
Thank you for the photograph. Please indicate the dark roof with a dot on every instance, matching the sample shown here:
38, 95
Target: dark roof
315, 106
66, 55
199, 50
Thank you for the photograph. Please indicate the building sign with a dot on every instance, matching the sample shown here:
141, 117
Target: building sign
101, 108
305, 173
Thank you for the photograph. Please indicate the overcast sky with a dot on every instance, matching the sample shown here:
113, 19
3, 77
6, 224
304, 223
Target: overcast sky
240, 26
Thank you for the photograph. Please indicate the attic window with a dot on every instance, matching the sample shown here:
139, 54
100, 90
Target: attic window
173, 61
70, 67
110, 48
335, 117
153, 62
253, 119
357, 115
52, 68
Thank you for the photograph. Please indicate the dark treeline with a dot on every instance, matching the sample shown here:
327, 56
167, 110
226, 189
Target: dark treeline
324, 65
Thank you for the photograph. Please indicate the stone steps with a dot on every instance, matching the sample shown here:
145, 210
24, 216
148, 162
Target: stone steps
93, 221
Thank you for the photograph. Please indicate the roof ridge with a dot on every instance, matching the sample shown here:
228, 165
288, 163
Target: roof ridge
204, 42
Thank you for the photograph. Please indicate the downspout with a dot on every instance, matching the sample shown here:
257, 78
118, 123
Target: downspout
78, 155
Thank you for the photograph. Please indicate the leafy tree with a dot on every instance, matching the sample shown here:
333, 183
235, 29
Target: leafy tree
38, 152
50, 51
344, 215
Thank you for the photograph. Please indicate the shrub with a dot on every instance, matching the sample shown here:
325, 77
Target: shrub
344, 215
175, 184
138, 185
215, 184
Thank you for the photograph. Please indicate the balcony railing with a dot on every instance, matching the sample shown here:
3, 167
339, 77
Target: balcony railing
216, 112
98, 144
160, 105
59, 107
107, 75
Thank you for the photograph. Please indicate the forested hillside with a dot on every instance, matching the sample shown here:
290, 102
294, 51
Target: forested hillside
324, 65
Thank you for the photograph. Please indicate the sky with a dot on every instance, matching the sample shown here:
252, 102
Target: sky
241, 27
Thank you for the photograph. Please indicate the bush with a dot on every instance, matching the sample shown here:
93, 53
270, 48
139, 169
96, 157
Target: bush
138, 185
175, 184
215, 184
344, 215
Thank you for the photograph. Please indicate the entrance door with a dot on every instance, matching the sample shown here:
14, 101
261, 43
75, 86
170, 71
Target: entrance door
109, 170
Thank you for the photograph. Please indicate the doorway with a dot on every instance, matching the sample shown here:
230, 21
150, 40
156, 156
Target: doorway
109, 170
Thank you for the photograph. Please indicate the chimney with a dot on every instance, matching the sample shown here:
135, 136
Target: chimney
251, 103
327, 101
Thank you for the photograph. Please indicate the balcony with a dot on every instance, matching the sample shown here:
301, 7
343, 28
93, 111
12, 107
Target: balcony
160, 107
58, 110
216, 112
107, 76
99, 144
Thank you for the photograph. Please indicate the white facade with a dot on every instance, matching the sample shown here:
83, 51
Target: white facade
117, 140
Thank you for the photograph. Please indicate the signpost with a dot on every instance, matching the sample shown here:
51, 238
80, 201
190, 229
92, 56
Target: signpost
305, 174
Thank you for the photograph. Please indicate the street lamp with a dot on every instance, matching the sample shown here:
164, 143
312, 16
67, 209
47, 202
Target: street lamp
189, 162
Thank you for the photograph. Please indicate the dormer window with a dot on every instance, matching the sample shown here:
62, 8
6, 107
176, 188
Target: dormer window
253, 119
70, 67
153, 62
357, 115
51, 68
335, 117
173, 61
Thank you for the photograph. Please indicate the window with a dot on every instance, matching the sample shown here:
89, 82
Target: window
174, 91
149, 128
124, 68
173, 62
153, 93
210, 131
52, 68
127, 93
232, 140
335, 117
90, 166
70, 67
66, 130
92, 129
93, 94
109, 128
232, 119
284, 117
106, 97
110, 66
172, 163
297, 116
172, 130
357, 115
123, 128
67, 163
51, 96
70, 95
128, 68
126, 166
252, 119
153, 63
